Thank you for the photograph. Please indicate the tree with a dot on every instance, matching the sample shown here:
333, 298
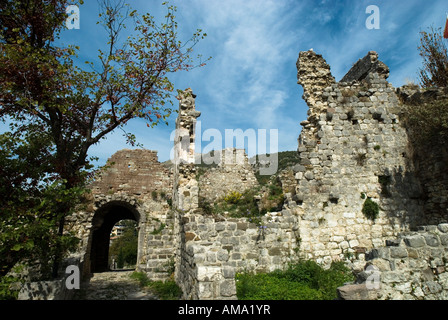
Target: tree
30, 201
45, 93
435, 59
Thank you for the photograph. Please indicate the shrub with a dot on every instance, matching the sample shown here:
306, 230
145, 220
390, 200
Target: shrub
268, 287
165, 290
428, 122
370, 209
9, 288
233, 197
305, 280
141, 277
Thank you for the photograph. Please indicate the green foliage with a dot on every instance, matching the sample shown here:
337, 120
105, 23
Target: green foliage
159, 229
268, 287
57, 108
370, 209
8, 288
428, 122
237, 204
275, 191
205, 205
141, 277
33, 204
233, 197
165, 290
305, 280
124, 248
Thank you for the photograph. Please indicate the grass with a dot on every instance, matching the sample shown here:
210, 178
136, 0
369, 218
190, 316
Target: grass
305, 280
164, 290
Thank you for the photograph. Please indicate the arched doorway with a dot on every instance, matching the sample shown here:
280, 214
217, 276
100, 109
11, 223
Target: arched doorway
103, 221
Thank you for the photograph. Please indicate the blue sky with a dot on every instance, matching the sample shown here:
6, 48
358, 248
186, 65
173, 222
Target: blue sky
251, 81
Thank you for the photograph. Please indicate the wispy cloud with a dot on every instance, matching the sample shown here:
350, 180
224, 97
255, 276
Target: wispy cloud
251, 80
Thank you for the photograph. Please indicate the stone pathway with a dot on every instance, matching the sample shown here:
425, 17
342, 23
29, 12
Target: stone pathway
114, 285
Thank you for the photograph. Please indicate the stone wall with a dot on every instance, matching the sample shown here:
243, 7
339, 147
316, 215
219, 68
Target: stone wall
412, 267
135, 172
430, 156
352, 147
216, 248
234, 174
133, 186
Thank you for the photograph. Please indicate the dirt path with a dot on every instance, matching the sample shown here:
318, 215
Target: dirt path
114, 285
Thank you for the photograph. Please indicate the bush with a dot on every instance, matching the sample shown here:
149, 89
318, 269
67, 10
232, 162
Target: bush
305, 280
141, 277
165, 290
233, 197
238, 204
269, 287
370, 209
8, 288
428, 122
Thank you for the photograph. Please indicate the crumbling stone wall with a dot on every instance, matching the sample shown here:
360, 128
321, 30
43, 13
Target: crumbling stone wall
134, 186
411, 267
430, 157
216, 248
352, 147
234, 174
211, 249
135, 172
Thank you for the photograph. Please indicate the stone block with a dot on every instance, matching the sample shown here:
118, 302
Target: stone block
228, 272
227, 288
208, 273
443, 227
220, 226
444, 239
415, 241
242, 226
432, 240
398, 252
382, 253
223, 255
356, 292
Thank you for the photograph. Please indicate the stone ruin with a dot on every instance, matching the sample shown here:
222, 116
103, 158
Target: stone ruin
353, 148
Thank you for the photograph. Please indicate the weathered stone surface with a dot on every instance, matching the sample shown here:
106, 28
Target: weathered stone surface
415, 241
356, 292
363, 67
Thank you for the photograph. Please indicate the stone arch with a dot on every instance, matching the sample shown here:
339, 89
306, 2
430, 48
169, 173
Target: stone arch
105, 216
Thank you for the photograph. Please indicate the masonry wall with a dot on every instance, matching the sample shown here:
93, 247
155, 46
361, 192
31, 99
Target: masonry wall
234, 174
352, 147
216, 248
430, 157
136, 184
411, 267
135, 172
